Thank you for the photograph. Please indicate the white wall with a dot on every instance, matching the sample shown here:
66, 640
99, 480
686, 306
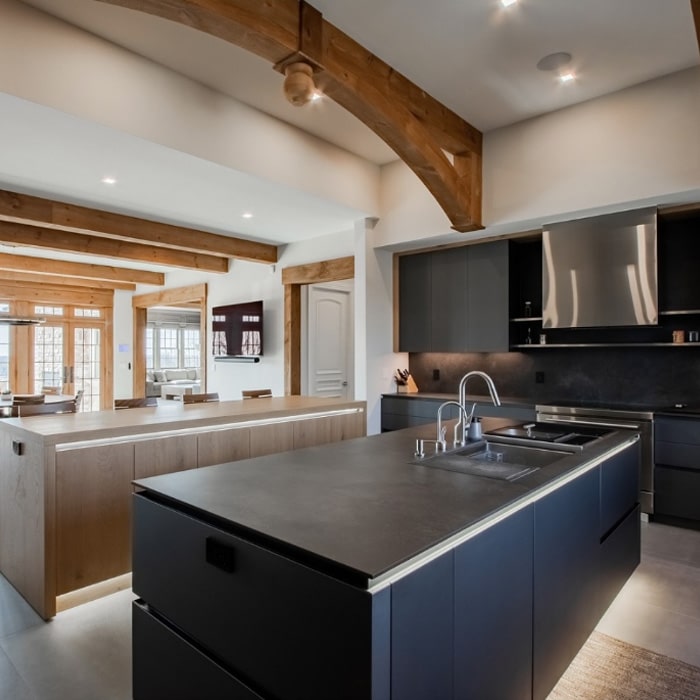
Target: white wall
50, 62
248, 281
122, 331
632, 148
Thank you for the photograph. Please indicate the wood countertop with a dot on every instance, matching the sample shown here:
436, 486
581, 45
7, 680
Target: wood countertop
170, 416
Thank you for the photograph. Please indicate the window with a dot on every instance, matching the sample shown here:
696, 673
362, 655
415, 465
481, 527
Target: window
172, 346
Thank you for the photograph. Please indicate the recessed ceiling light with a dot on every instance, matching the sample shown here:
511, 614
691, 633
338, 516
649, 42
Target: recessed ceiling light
554, 61
247, 215
108, 180
316, 96
566, 77
508, 3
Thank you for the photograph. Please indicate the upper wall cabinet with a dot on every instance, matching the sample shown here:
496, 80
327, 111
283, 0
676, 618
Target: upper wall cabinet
454, 299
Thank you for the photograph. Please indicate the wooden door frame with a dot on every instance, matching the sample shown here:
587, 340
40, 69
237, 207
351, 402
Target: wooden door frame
293, 278
195, 293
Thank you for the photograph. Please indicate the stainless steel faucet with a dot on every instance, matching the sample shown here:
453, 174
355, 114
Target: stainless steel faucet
466, 416
440, 442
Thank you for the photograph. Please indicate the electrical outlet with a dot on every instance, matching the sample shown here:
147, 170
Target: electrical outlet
539, 377
436, 375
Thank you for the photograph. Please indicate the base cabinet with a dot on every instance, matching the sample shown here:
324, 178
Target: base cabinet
498, 617
168, 667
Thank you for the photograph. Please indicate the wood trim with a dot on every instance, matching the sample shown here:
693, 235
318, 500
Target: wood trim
139, 354
292, 339
54, 239
292, 279
179, 295
56, 280
197, 295
108, 273
324, 271
47, 213
414, 124
695, 7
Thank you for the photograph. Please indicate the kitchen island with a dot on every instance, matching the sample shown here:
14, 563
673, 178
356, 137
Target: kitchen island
66, 480
358, 571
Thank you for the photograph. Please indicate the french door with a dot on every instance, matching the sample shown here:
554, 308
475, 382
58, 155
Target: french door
68, 354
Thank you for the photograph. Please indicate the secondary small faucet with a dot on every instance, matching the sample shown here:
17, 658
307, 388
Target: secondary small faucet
466, 416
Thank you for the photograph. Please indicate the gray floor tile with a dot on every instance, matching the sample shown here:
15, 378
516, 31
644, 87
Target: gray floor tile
12, 686
15, 613
83, 654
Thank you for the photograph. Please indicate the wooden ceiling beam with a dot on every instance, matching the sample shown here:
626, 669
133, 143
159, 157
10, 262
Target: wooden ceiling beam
63, 281
86, 271
28, 209
418, 128
695, 7
54, 239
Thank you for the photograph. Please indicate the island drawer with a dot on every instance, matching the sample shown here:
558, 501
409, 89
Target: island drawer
677, 430
168, 667
250, 607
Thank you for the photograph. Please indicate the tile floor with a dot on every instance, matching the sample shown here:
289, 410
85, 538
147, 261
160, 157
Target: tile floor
85, 653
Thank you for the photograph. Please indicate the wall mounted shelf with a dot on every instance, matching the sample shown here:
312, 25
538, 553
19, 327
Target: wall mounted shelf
237, 358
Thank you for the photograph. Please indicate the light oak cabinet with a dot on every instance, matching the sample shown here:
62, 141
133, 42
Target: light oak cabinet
93, 514
219, 446
165, 455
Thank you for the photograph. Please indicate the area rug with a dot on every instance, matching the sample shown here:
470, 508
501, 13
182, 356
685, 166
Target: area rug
609, 669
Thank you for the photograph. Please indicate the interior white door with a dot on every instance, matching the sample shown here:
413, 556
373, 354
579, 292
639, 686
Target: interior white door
330, 340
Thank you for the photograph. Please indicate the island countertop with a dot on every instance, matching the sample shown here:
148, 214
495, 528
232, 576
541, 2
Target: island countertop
169, 416
363, 508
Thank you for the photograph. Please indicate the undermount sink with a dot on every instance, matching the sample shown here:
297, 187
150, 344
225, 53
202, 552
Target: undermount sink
493, 460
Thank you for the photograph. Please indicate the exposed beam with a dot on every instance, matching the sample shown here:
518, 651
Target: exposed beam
695, 6
24, 208
38, 237
415, 125
167, 297
126, 277
63, 281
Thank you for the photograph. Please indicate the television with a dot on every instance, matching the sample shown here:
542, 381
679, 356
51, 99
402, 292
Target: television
237, 331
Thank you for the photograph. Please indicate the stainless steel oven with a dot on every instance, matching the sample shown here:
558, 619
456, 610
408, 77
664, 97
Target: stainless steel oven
639, 421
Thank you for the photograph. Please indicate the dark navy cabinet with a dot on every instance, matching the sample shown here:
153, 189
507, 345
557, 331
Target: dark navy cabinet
677, 469
454, 299
498, 615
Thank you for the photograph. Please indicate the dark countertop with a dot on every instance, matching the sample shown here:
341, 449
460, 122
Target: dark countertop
358, 507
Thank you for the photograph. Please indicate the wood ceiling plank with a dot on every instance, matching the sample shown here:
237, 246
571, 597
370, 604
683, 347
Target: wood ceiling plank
415, 125
63, 281
24, 208
55, 239
87, 271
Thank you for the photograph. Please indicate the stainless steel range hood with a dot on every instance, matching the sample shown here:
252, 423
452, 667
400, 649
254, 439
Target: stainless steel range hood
600, 271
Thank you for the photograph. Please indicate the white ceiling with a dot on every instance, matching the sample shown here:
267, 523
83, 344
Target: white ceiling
473, 56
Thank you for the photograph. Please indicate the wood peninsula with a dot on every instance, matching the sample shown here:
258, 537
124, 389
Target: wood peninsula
66, 480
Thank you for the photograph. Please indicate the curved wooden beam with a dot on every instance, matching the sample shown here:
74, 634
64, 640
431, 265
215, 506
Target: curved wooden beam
441, 148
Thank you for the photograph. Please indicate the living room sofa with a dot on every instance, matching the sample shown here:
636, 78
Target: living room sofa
157, 378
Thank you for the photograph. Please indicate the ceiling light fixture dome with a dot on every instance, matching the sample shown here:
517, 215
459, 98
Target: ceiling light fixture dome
299, 86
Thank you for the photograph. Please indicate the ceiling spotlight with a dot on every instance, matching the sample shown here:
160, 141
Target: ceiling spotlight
247, 215
554, 61
508, 3
108, 180
566, 77
299, 87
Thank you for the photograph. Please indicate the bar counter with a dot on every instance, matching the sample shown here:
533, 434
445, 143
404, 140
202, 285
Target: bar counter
66, 479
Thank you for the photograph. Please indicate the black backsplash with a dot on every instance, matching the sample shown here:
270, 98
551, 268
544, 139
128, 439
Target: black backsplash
654, 376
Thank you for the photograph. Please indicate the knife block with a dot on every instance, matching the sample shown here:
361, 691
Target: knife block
410, 387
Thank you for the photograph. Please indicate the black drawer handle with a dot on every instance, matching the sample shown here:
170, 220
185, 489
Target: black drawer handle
220, 555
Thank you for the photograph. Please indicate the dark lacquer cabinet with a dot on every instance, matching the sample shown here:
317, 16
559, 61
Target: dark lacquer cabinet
495, 615
454, 300
677, 467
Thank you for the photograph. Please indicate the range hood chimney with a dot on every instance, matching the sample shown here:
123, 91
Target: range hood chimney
601, 271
